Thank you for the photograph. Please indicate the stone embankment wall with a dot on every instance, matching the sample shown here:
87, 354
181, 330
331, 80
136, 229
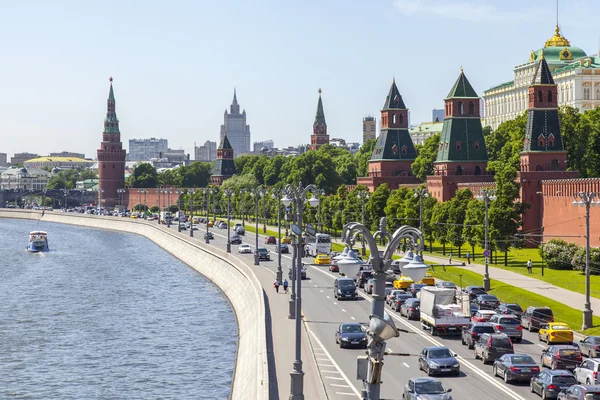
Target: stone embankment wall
232, 276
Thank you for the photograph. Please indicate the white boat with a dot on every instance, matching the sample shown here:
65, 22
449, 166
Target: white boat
38, 241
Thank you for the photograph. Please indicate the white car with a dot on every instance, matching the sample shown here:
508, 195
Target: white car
244, 248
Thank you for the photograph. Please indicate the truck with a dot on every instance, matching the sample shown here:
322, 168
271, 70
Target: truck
440, 314
166, 217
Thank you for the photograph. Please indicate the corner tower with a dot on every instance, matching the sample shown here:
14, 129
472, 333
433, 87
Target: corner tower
111, 157
319, 136
224, 165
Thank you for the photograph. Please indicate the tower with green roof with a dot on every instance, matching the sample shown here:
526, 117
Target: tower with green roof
319, 136
224, 165
394, 151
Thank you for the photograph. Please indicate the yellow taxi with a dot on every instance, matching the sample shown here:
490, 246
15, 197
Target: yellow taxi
428, 280
133, 216
210, 223
322, 259
555, 332
403, 282
286, 240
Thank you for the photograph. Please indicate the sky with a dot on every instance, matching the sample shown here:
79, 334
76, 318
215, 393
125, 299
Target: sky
175, 64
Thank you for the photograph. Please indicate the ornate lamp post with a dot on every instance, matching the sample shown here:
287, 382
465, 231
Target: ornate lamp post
192, 192
586, 199
277, 196
179, 192
486, 195
66, 193
256, 193
206, 191
243, 193
100, 191
298, 195
363, 195
169, 217
228, 193
421, 193
121, 192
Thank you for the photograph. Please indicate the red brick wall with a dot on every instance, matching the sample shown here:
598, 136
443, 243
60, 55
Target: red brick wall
152, 197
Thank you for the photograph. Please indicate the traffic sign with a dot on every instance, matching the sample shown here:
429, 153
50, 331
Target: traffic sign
487, 253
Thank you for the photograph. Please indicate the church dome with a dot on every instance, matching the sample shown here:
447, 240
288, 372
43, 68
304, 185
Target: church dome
557, 49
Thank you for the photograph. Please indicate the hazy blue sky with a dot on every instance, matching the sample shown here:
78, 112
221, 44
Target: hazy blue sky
175, 63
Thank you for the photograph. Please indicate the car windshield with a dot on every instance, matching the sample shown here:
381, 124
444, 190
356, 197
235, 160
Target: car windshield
515, 360
543, 311
509, 321
448, 284
560, 328
484, 329
429, 388
440, 353
569, 352
488, 297
564, 379
501, 342
346, 283
351, 329
514, 307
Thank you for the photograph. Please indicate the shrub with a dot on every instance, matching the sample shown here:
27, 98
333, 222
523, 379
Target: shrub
559, 254
154, 209
578, 260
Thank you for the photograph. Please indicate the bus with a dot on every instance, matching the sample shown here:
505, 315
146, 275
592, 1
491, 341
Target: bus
318, 244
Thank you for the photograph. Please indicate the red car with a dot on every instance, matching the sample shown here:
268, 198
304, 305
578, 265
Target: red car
270, 240
334, 268
483, 316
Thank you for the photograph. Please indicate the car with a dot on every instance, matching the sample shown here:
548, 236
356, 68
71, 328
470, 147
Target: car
590, 346
534, 317
483, 316
302, 273
487, 302
209, 236
369, 286
515, 367
445, 285
210, 223
580, 392
362, 277
351, 335
473, 309
322, 259
344, 288
389, 298
244, 248
561, 357
588, 372
510, 309
399, 299
284, 248
425, 388
509, 325
428, 280
334, 268
263, 254
222, 225
240, 230
470, 334
474, 291
415, 288
270, 240
389, 286
555, 332
549, 383
411, 308
235, 239
491, 346
438, 360
403, 282
286, 240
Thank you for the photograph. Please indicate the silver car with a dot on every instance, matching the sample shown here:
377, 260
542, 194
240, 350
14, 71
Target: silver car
509, 325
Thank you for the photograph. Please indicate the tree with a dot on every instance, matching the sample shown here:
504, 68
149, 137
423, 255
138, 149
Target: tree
144, 176
457, 210
423, 164
473, 230
363, 156
67, 179
377, 203
575, 140
395, 208
439, 217
510, 132
197, 174
169, 177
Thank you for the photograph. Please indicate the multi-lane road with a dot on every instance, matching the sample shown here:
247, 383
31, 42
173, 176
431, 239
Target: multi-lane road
323, 313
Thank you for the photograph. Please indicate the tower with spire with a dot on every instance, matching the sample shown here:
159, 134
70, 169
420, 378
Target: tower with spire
224, 165
394, 151
236, 129
319, 136
111, 157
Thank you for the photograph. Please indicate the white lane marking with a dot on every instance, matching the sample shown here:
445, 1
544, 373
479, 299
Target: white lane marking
345, 394
326, 366
541, 345
406, 365
344, 377
354, 319
321, 291
328, 297
330, 372
343, 310
315, 285
468, 364
338, 385
334, 377
322, 359
334, 303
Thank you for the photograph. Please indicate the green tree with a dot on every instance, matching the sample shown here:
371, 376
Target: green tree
169, 177
457, 210
144, 176
510, 132
473, 230
423, 164
197, 174
575, 140
439, 217
363, 156
65, 179
377, 203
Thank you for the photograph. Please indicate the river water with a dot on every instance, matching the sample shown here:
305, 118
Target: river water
107, 315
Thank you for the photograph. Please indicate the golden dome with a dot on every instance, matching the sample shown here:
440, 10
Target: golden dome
557, 40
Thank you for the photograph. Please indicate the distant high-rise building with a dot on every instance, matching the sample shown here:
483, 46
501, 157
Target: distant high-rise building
437, 115
258, 147
319, 136
20, 158
235, 128
206, 152
369, 128
146, 149
67, 154
3, 160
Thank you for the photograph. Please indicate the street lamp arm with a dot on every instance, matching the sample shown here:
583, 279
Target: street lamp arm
385, 234
360, 228
404, 231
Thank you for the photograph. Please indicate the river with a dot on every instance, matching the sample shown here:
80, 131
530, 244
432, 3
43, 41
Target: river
108, 315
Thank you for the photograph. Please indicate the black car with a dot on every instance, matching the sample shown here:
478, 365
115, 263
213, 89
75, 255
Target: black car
415, 288
344, 288
534, 317
549, 383
473, 308
474, 291
486, 302
438, 360
590, 346
491, 346
284, 248
399, 300
510, 309
425, 388
411, 308
236, 239
580, 392
561, 356
515, 367
363, 277
470, 334
263, 254
209, 235
351, 335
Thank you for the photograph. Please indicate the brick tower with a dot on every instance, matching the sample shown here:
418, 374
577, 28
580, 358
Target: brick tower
111, 157
462, 156
543, 156
319, 136
224, 165
394, 151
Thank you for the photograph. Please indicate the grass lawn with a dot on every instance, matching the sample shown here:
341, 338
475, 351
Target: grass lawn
513, 294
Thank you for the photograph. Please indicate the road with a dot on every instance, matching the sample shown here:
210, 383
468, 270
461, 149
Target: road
323, 313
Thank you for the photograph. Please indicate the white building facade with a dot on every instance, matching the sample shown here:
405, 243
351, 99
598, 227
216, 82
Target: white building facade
145, 149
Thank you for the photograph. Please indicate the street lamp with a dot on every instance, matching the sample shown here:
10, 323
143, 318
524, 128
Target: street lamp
169, 217
192, 192
179, 192
121, 193
100, 191
298, 195
486, 195
277, 196
586, 199
228, 193
381, 327
243, 193
256, 193
363, 195
421, 193
66, 193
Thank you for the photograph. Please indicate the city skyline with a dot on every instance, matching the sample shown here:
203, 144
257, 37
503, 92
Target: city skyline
166, 89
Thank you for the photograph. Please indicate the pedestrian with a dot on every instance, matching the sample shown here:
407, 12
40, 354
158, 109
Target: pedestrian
529, 266
468, 258
404, 247
285, 286
450, 259
276, 285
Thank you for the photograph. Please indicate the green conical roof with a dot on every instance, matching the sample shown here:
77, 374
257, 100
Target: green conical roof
225, 143
394, 98
462, 88
320, 115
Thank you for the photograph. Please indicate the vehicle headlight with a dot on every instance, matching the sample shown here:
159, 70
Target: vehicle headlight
339, 291
364, 339
434, 366
456, 365
345, 339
